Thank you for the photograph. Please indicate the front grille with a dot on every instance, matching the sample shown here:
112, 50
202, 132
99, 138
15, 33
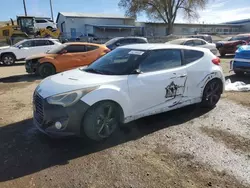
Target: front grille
38, 108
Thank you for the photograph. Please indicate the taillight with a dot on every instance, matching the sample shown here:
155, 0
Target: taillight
216, 61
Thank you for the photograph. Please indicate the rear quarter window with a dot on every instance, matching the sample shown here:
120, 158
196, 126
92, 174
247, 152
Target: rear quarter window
190, 56
91, 48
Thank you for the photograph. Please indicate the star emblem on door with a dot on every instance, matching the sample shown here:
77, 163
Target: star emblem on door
171, 90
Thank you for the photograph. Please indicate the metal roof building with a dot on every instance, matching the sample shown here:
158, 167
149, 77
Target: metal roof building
74, 25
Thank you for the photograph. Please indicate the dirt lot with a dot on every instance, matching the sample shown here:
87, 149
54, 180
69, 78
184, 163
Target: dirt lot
188, 147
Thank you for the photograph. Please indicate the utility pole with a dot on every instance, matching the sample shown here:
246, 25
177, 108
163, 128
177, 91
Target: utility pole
24, 6
51, 9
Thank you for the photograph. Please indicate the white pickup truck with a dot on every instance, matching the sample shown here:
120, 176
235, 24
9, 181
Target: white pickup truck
10, 54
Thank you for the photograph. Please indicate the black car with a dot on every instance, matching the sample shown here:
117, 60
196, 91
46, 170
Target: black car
121, 41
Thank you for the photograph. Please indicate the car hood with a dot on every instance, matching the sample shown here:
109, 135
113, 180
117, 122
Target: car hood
4, 47
73, 80
38, 56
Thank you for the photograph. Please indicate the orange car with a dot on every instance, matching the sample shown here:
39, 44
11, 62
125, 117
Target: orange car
64, 57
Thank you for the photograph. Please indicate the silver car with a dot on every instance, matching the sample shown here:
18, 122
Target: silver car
196, 42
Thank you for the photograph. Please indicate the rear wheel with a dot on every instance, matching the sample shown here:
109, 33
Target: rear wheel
101, 120
46, 70
212, 93
8, 59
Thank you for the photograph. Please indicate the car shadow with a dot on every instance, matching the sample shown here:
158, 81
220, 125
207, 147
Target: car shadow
234, 78
20, 78
24, 150
16, 64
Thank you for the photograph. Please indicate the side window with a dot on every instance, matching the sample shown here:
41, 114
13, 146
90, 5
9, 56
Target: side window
139, 41
27, 44
198, 42
190, 56
75, 49
161, 60
189, 43
43, 42
41, 21
123, 41
90, 48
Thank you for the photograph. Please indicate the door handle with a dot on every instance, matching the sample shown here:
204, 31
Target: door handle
183, 75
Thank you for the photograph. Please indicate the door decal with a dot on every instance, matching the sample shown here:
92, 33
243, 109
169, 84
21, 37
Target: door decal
171, 90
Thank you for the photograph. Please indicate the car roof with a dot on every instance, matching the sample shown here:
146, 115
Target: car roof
42, 39
245, 34
130, 38
187, 39
82, 43
159, 46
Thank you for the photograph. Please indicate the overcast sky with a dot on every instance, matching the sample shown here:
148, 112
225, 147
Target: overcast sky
217, 11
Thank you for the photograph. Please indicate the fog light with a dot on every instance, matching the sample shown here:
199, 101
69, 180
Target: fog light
58, 125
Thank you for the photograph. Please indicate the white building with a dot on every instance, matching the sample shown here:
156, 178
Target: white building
74, 25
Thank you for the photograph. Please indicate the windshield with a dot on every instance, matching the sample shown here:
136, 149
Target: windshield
178, 41
239, 38
121, 61
57, 49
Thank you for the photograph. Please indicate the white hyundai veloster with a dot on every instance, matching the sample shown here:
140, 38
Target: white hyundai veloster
128, 83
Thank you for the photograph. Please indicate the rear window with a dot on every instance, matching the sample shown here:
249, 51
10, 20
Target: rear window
191, 56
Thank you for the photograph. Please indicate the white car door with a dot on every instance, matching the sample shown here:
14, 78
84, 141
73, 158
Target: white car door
25, 49
43, 46
161, 83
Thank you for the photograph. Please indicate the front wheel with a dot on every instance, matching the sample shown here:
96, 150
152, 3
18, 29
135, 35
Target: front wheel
212, 93
8, 59
46, 70
101, 120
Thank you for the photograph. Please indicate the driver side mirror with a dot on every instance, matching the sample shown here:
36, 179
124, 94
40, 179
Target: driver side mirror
118, 44
20, 46
136, 71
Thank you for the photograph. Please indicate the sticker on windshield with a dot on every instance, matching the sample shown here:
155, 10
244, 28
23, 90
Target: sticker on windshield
135, 52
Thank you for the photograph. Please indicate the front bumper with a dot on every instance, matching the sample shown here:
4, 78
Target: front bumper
46, 115
31, 66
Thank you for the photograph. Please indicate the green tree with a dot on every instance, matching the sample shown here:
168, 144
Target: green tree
165, 10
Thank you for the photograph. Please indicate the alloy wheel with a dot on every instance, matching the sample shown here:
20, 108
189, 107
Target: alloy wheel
106, 121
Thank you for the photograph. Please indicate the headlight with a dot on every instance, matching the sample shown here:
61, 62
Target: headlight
69, 98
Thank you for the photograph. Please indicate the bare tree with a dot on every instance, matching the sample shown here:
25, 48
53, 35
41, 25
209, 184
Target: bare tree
165, 10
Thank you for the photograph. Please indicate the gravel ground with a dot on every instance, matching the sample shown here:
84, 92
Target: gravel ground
188, 147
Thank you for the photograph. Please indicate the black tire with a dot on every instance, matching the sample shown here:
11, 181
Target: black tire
239, 73
101, 120
8, 59
46, 69
212, 93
